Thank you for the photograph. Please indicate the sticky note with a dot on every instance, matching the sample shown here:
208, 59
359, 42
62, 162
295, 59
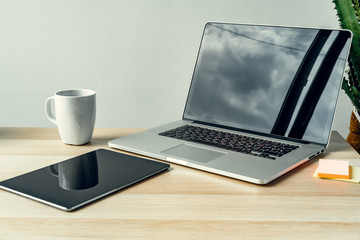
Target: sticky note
354, 175
333, 169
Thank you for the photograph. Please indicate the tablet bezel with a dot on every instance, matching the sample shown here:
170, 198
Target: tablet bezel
116, 171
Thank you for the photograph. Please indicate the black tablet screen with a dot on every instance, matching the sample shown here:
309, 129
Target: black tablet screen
77, 181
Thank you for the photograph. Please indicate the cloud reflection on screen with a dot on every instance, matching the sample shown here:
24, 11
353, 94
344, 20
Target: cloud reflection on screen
243, 74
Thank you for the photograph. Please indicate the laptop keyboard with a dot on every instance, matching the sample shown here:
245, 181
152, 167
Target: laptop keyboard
229, 141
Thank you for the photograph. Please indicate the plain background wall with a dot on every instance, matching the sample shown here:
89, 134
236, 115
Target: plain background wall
138, 55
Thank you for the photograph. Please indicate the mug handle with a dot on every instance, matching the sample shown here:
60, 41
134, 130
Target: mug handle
53, 170
49, 114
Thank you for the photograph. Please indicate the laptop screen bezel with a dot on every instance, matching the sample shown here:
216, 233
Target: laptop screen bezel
251, 131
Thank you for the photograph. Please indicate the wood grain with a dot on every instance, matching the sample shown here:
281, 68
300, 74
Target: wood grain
182, 203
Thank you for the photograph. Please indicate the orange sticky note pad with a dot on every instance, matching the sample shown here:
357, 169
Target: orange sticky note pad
333, 169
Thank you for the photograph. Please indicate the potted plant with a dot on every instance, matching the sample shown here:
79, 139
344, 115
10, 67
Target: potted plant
348, 12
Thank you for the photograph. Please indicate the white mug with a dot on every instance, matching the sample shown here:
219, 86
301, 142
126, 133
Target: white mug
75, 112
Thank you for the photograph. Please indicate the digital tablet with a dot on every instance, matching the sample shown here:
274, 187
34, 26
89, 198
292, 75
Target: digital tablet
75, 182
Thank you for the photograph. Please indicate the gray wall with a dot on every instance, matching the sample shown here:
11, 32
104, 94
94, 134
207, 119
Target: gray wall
137, 55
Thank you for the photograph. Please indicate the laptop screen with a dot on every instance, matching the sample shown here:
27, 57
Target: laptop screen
274, 80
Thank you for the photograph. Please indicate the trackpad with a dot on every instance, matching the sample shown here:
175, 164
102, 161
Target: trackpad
193, 153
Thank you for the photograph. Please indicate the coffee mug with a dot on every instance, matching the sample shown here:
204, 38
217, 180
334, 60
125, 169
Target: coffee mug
75, 112
77, 174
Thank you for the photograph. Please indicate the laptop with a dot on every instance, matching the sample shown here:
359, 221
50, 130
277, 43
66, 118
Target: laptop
261, 102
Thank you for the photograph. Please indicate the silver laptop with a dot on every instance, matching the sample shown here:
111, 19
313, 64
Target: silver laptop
261, 102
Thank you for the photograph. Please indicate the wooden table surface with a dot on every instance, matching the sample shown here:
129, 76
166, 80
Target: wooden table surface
182, 203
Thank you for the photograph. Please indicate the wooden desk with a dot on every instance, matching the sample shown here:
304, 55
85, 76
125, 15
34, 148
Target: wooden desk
180, 204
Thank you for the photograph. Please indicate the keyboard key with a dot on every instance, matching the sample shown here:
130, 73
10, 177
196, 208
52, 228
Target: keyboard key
234, 142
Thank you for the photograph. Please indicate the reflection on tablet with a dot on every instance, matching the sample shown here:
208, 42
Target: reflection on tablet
80, 173
80, 180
